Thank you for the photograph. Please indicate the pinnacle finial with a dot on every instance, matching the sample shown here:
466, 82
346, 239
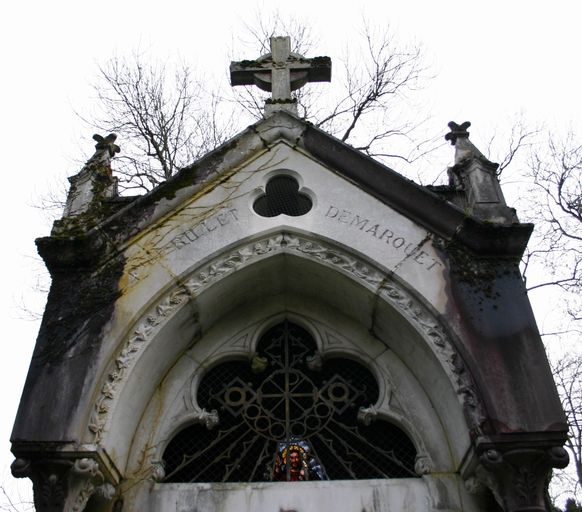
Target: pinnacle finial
105, 150
107, 143
458, 131
475, 175
95, 181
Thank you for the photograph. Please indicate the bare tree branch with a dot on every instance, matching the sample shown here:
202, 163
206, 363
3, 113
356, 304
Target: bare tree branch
556, 207
568, 376
165, 119
362, 106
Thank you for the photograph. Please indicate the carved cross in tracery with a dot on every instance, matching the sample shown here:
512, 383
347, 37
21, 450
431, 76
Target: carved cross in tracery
280, 72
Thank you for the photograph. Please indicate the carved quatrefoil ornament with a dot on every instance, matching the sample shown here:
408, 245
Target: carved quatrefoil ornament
282, 196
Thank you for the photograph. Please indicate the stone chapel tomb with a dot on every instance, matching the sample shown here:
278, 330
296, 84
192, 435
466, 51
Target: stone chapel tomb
288, 325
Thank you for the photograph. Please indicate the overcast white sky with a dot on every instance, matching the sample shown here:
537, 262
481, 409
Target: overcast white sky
492, 60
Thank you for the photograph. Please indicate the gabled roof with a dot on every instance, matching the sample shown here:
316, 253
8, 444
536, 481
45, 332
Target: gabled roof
416, 202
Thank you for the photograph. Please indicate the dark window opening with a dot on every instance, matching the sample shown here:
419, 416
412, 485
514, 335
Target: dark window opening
288, 415
282, 196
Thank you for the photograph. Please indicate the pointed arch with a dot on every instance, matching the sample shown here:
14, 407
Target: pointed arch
355, 307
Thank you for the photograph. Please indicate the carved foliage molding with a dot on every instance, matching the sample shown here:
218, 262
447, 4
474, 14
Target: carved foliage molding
142, 334
419, 316
225, 264
63, 484
518, 477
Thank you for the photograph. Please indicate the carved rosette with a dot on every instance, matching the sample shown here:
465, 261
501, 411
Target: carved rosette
62, 485
518, 477
327, 254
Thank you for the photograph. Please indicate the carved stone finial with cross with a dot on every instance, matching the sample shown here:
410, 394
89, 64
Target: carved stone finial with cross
105, 149
280, 72
457, 131
95, 181
476, 176
459, 137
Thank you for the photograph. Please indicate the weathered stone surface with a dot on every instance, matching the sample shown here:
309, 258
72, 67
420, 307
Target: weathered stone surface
280, 72
158, 289
95, 181
357, 496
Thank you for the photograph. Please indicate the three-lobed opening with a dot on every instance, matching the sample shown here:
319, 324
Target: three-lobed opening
282, 196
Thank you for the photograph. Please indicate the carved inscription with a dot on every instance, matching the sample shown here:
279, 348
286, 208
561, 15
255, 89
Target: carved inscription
186, 236
410, 250
201, 229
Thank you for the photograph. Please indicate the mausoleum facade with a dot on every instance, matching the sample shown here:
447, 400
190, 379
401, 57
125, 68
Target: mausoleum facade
287, 324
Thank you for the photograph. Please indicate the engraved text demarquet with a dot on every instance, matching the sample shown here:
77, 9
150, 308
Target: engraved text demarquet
411, 250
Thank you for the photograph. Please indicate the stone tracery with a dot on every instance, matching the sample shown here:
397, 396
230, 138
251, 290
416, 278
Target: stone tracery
264, 412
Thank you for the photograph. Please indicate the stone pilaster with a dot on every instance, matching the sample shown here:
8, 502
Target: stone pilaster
63, 485
518, 476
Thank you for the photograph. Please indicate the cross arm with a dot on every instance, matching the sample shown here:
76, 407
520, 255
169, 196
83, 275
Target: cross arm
318, 69
243, 72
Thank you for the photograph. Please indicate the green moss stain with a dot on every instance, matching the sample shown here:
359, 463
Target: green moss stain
481, 274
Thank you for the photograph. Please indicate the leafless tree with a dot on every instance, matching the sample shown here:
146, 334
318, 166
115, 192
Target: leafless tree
509, 146
374, 82
556, 206
9, 501
165, 118
568, 376
377, 84
549, 183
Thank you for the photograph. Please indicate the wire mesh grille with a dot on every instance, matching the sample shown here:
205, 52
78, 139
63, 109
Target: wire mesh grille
288, 415
282, 197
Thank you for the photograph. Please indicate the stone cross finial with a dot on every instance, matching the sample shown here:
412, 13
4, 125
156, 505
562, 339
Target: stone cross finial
107, 143
280, 72
95, 181
475, 175
457, 131
105, 150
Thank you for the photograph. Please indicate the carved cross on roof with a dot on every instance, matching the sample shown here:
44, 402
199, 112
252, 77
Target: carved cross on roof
280, 72
105, 150
457, 131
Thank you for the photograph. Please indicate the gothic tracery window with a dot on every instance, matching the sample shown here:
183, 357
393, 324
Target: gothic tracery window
288, 415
